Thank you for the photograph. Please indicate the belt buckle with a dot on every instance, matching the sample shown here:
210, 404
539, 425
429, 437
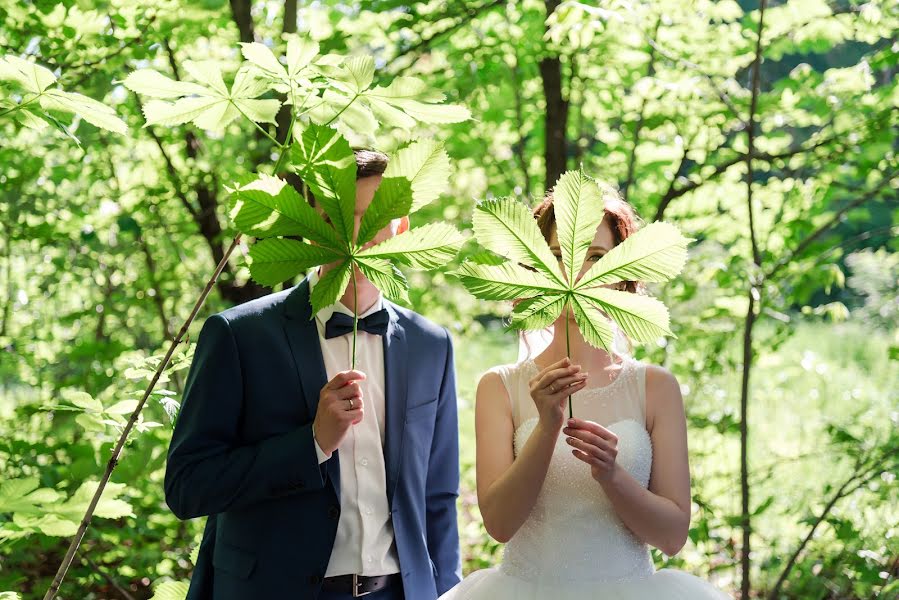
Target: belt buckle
356, 584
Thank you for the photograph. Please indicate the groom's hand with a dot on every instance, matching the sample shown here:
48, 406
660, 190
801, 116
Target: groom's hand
339, 408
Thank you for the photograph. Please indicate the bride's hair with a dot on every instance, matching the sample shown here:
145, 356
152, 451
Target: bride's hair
624, 222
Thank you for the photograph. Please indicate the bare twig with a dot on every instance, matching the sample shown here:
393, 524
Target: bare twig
116, 453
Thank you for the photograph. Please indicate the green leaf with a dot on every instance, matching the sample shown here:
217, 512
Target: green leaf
277, 259
643, 318
325, 162
31, 76
427, 247
15, 495
392, 200
148, 82
331, 286
655, 253
82, 400
508, 281
594, 326
171, 590
506, 227
426, 165
109, 506
125, 407
353, 76
268, 206
538, 312
300, 52
417, 100
261, 56
209, 105
385, 276
579, 210
95, 113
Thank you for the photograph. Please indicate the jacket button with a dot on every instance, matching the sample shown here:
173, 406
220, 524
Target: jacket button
334, 512
314, 580
300, 484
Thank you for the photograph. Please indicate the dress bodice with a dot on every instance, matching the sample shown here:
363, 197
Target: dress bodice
573, 532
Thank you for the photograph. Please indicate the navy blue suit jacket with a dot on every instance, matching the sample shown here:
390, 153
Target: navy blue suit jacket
243, 454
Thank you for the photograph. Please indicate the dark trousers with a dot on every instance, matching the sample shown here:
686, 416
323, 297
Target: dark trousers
394, 592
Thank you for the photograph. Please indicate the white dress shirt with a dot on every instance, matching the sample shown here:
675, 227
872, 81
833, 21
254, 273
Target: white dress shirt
365, 541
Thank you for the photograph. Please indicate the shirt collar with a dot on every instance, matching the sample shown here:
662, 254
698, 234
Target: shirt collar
325, 313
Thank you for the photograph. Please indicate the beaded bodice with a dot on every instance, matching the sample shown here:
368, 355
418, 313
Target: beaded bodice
573, 532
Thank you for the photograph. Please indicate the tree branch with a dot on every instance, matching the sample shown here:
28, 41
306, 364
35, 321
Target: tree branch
632, 160
824, 228
857, 482
754, 295
423, 45
676, 192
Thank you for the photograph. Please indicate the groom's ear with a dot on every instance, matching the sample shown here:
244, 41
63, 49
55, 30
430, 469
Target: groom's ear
404, 225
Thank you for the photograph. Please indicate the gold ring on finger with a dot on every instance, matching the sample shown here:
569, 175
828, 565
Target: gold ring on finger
352, 406
552, 386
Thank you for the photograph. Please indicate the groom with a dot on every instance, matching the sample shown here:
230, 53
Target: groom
319, 481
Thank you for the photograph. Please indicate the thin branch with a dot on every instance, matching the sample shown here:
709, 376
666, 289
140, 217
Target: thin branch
109, 578
116, 453
632, 160
825, 227
857, 481
423, 45
676, 192
754, 295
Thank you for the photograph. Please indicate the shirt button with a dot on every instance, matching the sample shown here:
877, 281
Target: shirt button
370, 559
368, 511
364, 462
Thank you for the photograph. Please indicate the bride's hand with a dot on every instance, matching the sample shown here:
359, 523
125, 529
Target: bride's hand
595, 445
550, 389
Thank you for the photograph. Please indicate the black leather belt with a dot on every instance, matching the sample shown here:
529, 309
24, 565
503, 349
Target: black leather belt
359, 585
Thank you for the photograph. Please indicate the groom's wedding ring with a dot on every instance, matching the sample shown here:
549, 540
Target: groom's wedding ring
552, 386
352, 406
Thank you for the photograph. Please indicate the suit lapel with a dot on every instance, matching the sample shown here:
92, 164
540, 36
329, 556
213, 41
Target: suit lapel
395, 390
305, 346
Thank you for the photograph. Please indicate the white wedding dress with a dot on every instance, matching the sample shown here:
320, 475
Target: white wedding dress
573, 546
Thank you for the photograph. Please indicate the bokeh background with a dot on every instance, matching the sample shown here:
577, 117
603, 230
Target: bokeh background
786, 316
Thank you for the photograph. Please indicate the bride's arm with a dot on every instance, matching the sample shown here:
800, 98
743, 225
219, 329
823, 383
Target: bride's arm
508, 487
660, 515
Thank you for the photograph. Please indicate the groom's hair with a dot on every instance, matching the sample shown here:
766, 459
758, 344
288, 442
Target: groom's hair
369, 163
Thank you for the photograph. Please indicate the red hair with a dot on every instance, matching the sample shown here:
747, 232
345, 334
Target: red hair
621, 216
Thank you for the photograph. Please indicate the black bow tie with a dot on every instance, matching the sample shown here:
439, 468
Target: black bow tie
342, 324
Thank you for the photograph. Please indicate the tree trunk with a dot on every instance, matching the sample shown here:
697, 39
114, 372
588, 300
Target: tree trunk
240, 9
556, 120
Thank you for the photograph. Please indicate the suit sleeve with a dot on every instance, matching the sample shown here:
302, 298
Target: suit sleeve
210, 469
442, 488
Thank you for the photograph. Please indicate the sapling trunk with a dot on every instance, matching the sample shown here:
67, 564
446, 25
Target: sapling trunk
116, 453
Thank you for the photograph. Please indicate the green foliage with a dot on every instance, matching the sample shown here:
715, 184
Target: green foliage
103, 247
506, 227
325, 162
32, 96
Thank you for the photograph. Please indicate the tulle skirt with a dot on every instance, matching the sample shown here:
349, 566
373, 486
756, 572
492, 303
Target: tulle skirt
665, 584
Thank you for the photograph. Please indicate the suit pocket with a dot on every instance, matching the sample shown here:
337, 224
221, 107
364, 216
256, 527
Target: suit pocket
233, 560
422, 411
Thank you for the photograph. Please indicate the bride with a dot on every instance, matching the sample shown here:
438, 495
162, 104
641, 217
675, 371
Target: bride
578, 501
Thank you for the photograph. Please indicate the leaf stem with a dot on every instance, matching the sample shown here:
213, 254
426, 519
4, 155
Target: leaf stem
355, 312
334, 118
259, 127
568, 350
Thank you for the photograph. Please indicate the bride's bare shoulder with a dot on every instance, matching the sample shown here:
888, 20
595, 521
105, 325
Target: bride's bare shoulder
663, 394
